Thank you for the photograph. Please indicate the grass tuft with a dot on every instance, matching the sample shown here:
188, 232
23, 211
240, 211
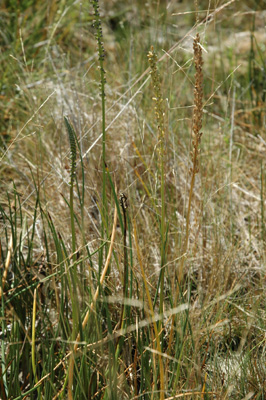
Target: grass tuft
156, 292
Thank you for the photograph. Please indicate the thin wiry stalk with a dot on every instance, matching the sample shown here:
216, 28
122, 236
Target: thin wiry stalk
159, 112
123, 203
121, 324
159, 349
196, 130
101, 53
33, 361
197, 125
73, 156
73, 288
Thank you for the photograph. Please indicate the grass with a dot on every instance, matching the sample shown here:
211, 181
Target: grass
132, 249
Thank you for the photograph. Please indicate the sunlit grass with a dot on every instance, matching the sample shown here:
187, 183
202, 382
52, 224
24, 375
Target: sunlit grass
163, 298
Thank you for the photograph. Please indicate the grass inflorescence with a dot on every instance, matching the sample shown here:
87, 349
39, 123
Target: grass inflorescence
132, 247
101, 56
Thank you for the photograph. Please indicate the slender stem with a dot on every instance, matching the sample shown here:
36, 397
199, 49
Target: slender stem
196, 130
197, 125
162, 226
101, 54
159, 112
72, 282
123, 203
33, 337
158, 343
103, 148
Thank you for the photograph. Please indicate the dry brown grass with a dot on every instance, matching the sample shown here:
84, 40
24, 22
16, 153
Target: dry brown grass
214, 214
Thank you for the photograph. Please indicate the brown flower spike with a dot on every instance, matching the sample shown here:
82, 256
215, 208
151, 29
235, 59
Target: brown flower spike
159, 107
196, 130
198, 95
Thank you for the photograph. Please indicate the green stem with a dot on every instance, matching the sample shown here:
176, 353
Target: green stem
162, 229
159, 112
101, 53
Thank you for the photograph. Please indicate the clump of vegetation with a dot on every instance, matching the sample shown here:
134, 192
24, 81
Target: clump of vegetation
132, 231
